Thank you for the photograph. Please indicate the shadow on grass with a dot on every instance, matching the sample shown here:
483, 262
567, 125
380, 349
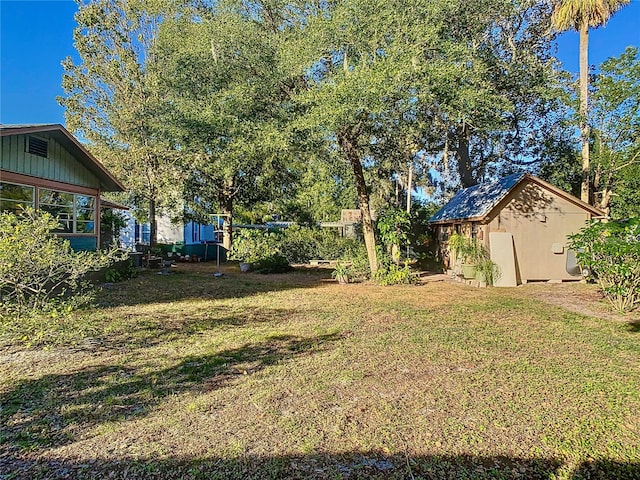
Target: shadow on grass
43, 413
167, 326
349, 465
149, 287
634, 326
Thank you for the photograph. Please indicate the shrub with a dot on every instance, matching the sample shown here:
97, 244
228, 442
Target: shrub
273, 264
355, 254
394, 225
301, 244
393, 274
296, 244
487, 271
251, 246
40, 275
611, 252
342, 272
120, 271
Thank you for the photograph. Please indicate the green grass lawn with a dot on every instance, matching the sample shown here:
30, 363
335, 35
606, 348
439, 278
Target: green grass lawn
294, 376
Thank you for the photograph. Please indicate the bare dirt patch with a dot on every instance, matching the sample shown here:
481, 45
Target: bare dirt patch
586, 299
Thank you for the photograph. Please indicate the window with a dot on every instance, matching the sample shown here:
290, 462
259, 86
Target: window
15, 198
76, 213
195, 232
37, 146
85, 214
474, 232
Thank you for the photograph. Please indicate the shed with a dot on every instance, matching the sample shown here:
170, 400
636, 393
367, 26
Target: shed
47, 168
523, 221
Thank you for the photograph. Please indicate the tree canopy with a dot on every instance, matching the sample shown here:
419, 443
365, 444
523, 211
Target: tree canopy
114, 99
301, 108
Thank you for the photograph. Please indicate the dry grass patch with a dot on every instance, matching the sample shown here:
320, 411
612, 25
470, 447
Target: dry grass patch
294, 376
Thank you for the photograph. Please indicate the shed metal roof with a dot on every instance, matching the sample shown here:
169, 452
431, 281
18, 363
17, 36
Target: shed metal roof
477, 201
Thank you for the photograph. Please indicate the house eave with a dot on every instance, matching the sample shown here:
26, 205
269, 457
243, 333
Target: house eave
459, 220
108, 183
567, 196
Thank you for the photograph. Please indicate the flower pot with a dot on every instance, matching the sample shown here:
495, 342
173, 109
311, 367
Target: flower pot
468, 271
245, 267
342, 279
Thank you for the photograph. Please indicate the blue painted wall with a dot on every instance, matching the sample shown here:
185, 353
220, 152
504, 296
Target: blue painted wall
83, 243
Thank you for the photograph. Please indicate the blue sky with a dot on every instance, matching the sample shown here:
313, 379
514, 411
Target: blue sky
35, 36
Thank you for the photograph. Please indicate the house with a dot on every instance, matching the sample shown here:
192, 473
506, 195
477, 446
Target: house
185, 238
523, 222
47, 168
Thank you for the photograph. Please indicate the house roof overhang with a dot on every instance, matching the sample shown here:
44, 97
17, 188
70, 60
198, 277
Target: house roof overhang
458, 220
108, 182
104, 203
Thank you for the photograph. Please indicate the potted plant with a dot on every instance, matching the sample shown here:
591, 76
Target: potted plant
468, 252
342, 273
487, 272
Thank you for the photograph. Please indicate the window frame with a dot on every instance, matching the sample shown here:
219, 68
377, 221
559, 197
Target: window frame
34, 195
73, 220
74, 215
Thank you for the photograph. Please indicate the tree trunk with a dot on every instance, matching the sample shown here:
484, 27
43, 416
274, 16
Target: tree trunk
409, 183
605, 200
153, 224
464, 159
227, 210
584, 109
348, 146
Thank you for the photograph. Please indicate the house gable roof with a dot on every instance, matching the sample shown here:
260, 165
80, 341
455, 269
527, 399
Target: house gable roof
108, 182
477, 202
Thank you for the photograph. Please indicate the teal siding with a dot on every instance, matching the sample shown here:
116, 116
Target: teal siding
60, 165
83, 243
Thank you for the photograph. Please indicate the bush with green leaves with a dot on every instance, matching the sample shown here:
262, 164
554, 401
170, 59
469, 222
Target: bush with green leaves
253, 245
300, 244
467, 250
394, 225
295, 244
487, 271
273, 264
611, 252
355, 255
40, 275
393, 274
401, 232
120, 271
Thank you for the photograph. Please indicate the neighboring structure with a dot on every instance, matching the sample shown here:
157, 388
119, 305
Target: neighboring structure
189, 233
193, 233
527, 220
45, 167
